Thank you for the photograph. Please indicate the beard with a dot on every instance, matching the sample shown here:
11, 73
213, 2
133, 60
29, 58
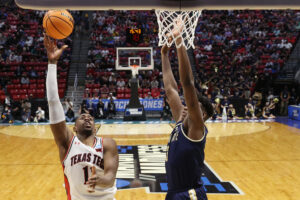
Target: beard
86, 132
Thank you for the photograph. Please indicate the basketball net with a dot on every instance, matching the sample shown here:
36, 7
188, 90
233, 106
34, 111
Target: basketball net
167, 22
134, 70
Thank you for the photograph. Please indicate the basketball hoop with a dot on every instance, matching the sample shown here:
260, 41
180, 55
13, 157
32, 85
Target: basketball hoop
134, 70
167, 22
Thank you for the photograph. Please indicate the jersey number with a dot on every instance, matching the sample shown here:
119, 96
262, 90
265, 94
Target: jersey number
86, 173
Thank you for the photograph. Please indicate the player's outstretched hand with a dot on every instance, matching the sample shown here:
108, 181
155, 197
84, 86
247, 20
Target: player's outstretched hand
53, 52
165, 50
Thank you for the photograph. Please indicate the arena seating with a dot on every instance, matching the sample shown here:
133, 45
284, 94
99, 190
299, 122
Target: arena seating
22, 54
237, 47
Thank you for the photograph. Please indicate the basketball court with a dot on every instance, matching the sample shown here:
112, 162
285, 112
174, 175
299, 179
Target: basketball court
245, 160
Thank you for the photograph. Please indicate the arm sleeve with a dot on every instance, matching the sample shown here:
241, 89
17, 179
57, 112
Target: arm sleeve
56, 111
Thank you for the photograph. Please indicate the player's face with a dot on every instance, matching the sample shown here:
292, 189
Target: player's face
85, 125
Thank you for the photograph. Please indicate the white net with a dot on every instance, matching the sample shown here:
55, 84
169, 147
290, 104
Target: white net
134, 70
167, 23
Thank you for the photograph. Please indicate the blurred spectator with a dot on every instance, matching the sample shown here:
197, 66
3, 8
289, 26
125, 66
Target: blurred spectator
148, 96
6, 115
249, 112
83, 107
111, 108
267, 111
284, 97
231, 112
40, 115
70, 115
100, 110
166, 112
26, 111
16, 110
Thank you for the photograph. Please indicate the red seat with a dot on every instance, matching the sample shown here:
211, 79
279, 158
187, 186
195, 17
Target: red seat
146, 90
32, 92
61, 93
16, 97
2, 98
120, 91
25, 86
32, 81
127, 91
23, 91
120, 96
23, 96
40, 93
32, 86
41, 81
127, 96
140, 90
14, 91
41, 86
17, 86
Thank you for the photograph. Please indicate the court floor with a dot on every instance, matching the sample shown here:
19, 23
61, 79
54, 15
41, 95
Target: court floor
260, 160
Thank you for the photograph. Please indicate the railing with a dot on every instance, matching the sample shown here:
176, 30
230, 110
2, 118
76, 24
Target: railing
75, 85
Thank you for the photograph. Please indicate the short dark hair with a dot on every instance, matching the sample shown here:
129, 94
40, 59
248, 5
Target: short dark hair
209, 109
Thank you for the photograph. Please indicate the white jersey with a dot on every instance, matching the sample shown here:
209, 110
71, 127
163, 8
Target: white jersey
77, 167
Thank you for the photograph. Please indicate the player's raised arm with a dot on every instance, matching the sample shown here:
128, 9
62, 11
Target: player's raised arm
111, 163
170, 85
196, 122
61, 132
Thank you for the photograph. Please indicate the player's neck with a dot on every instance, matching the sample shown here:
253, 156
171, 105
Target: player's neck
87, 140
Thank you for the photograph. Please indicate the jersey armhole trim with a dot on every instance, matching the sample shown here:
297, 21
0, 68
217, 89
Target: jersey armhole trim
200, 140
73, 137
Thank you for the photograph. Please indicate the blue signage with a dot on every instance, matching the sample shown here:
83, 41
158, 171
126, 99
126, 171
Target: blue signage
149, 104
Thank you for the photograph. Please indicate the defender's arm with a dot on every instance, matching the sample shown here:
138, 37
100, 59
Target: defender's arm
170, 85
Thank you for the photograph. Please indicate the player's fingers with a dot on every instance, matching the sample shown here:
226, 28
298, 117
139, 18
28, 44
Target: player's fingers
93, 177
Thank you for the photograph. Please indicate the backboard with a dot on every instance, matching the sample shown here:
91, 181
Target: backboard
158, 4
127, 57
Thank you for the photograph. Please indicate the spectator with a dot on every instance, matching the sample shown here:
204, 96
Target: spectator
100, 110
111, 108
166, 112
83, 107
26, 111
69, 104
231, 112
154, 83
70, 116
267, 111
249, 112
284, 97
149, 96
111, 96
40, 115
25, 80
6, 116
104, 91
16, 110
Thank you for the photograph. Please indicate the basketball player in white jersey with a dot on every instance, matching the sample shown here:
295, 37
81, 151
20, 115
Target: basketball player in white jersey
90, 163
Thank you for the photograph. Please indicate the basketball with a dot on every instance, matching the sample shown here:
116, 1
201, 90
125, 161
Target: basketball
58, 24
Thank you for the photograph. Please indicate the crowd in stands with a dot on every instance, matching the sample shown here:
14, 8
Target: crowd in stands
23, 62
238, 54
237, 57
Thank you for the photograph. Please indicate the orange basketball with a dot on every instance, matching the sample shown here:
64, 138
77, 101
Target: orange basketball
58, 24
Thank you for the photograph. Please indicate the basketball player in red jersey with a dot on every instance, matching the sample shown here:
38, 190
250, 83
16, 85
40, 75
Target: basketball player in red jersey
90, 163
